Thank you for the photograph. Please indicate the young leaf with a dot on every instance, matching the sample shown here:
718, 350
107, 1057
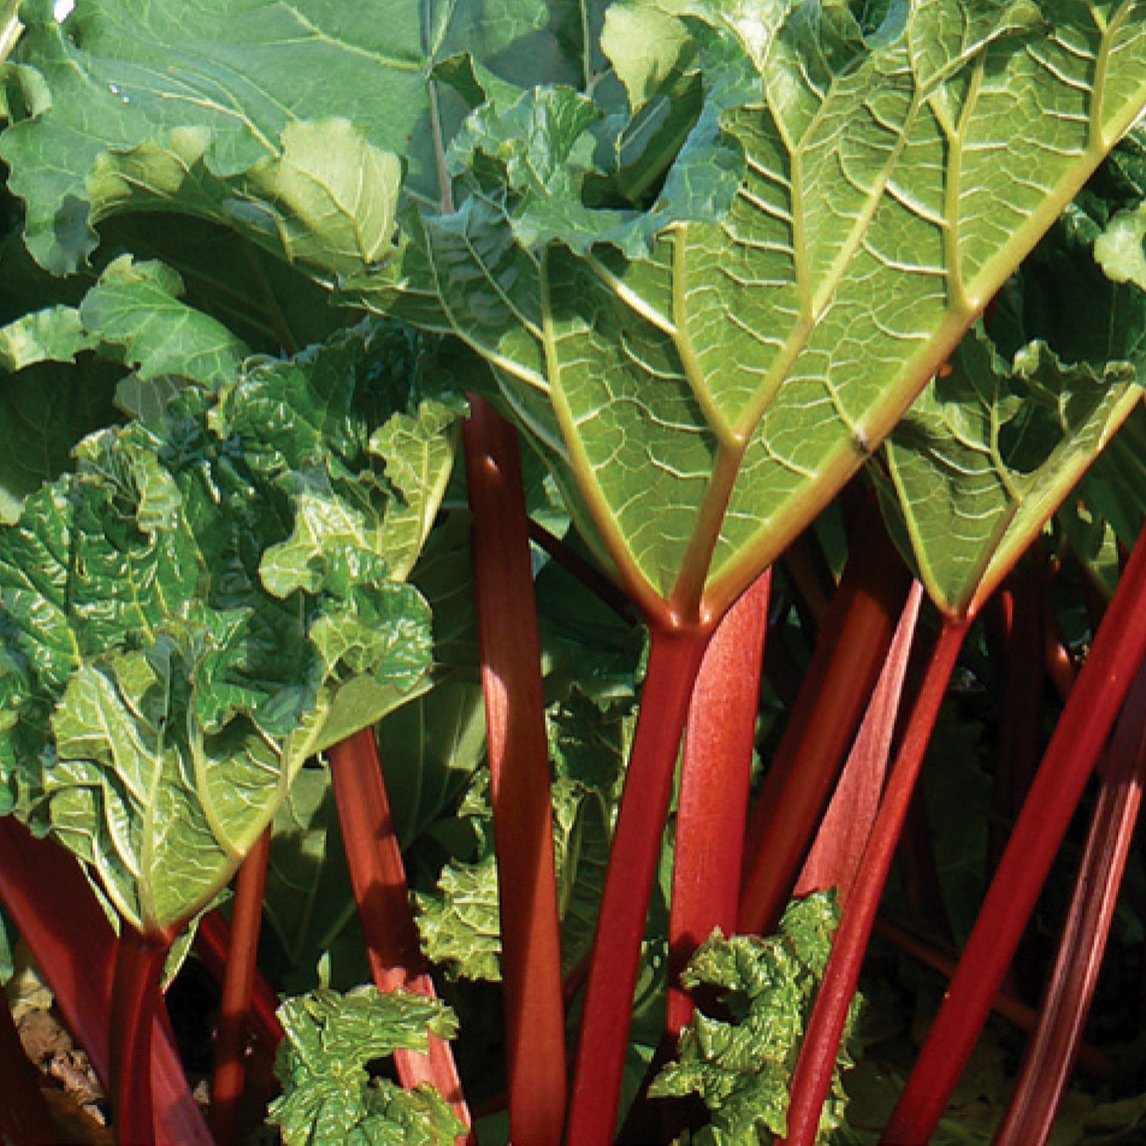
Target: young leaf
135, 308
52, 335
459, 920
742, 1067
328, 1095
132, 315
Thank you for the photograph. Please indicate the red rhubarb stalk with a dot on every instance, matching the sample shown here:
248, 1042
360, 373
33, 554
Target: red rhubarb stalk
1004, 1004
1051, 1052
75, 948
715, 771
1020, 606
817, 1061
519, 774
674, 660
378, 879
135, 1001
823, 722
1095, 700
835, 857
213, 946
229, 1076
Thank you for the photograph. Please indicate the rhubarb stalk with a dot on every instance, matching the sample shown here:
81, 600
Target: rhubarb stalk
1095, 700
715, 771
229, 1075
817, 1061
519, 775
674, 660
839, 681
378, 878
1052, 1051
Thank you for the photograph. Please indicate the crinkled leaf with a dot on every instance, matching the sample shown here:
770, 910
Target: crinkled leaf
742, 1067
418, 452
459, 922
533, 157
987, 454
159, 691
701, 404
1121, 248
132, 315
328, 1095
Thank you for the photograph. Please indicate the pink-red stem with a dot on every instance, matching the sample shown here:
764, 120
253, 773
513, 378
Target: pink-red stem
75, 949
1014, 1010
825, 1027
674, 660
834, 860
715, 771
213, 946
1119, 648
135, 1001
840, 678
378, 878
1051, 1052
519, 774
229, 1076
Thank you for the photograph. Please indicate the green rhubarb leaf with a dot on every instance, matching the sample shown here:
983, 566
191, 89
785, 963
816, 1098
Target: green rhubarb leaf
329, 1097
260, 298
1121, 249
308, 897
133, 315
432, 746
742, 1067
173, 649
646, 43
262, 116
1108, 510
701, 403
459, 922
136, 308
987, 454
52, 335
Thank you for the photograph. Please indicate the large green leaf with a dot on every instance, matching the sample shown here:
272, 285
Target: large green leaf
700, 404
176, 637
995, 445
257, 113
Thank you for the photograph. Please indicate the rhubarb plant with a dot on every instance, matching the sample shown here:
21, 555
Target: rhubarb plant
685, 277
